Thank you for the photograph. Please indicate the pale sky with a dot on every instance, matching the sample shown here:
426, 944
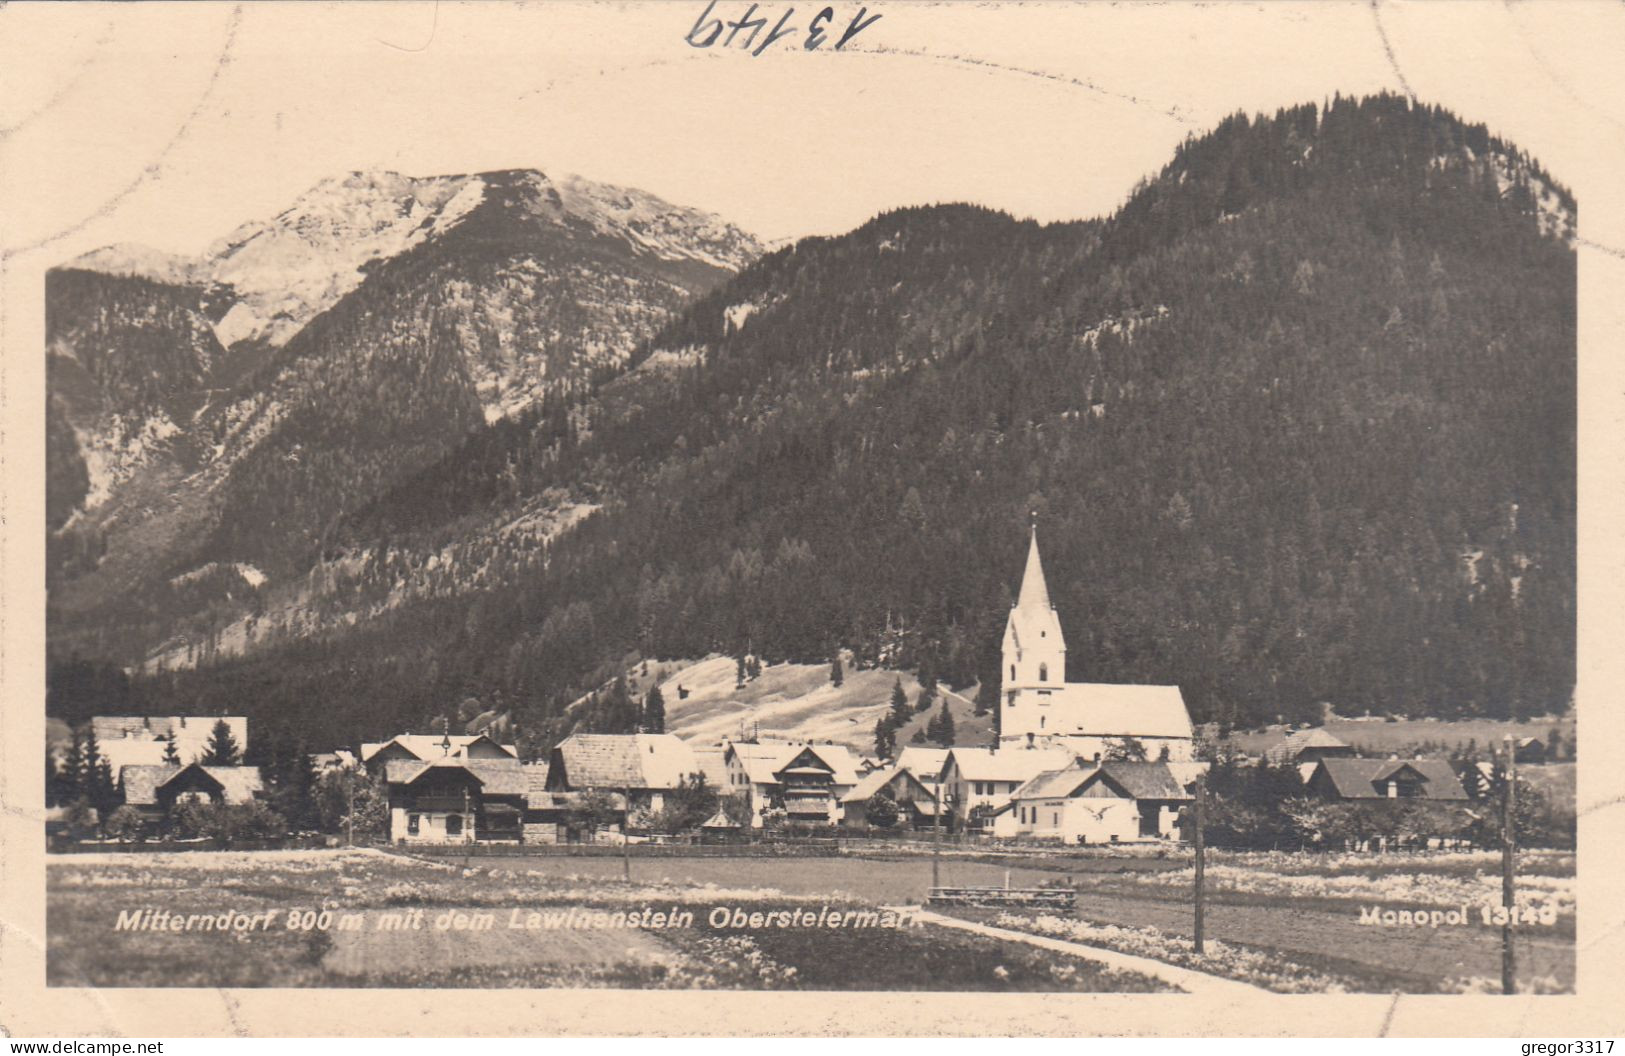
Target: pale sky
169, 124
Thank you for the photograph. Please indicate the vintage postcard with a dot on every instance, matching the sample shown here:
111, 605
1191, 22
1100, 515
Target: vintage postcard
951, 518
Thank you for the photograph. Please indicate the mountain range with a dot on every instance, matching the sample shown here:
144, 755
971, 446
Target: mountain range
210, 416
1297, 423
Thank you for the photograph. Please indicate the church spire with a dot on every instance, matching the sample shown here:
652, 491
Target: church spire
1034, 591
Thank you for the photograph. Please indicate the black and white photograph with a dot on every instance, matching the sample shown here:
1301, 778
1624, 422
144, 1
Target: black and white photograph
866, 499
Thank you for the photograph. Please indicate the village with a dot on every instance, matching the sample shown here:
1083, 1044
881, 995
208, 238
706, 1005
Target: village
1073, 764
1099, 841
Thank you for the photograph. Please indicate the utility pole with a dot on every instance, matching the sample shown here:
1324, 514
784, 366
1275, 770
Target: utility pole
1201, 854
626, 836
1509, 855
936, 842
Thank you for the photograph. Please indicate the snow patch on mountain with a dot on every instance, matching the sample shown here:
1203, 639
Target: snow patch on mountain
286, 270
114, 452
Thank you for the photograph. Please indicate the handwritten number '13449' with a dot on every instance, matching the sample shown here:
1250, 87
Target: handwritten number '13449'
708, 30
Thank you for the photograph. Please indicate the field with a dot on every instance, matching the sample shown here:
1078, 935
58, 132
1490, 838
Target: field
797, 701
1287, 922
1378, 738
401, 922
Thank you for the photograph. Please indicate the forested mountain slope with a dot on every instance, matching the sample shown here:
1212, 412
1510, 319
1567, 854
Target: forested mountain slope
213, 418
1298, 423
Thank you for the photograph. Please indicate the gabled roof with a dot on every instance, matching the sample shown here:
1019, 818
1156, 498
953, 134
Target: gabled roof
1053, 784
428, 746
1289, 747
1007, 763
870, 784
763, 761
1136, 780
1143, 780
1367, 778
496, 777
924, 763
1108, 709
141, 784
711, 763
622, 760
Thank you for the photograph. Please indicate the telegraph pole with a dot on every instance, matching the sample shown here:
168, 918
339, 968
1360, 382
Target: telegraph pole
936, 842
626, 837
1201, 853
1509, 856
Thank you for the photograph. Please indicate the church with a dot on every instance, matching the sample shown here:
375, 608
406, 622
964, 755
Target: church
1039, 707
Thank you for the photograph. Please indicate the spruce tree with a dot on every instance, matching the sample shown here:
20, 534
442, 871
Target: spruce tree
172, 755
899, 704
885, 737
72, 773
654, 711
222, 748
836, 674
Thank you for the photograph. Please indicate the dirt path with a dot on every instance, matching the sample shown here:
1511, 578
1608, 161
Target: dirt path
1189, 981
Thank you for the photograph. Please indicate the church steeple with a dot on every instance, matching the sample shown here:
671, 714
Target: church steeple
1034, 591
1034, 650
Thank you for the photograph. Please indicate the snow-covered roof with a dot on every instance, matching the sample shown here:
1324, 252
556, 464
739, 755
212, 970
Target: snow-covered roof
1108, 709
763, 761
1008, 763
128, 740
432, 745
924, 763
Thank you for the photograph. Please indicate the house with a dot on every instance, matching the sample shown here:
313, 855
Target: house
456, 800
917, 802
712, 763
644, 766
548, 817
976, 782
342, 759
1529, 750
1368, 779
141, 740
1090, 717
423, 747
1304, 747
155, 790
803, 779
924, 763
1114, 801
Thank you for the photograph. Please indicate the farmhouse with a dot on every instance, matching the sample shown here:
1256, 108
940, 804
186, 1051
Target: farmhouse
804, 780
1089, 717
976, 782
1112, 802
644, 766
916, 802
456, 800
1385, 779
155, 790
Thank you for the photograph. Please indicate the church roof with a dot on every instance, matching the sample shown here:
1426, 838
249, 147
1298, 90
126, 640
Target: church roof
1034, 617
1106, 709
1034, 591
